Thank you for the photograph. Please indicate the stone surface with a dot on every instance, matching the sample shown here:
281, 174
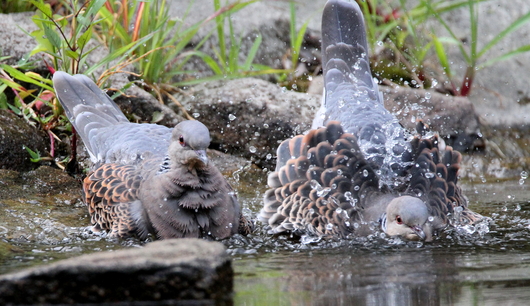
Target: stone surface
250, 117
454, 118
269, 19
13, 41
44, 181
15, 134
169, 271
140, 106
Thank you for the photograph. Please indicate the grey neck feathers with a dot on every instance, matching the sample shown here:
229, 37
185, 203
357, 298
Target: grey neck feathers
164, 167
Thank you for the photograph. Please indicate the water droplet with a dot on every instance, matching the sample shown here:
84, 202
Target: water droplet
252, 149
231, 117
329, 226
429, 175
427, 95
196, 115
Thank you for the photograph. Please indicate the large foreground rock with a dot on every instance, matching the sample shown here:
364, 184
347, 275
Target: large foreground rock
163, 272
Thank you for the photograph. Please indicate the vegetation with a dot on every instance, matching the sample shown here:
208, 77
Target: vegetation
154, 49
404, 32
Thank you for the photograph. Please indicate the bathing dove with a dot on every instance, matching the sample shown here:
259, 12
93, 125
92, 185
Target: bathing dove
147, 178
358, 170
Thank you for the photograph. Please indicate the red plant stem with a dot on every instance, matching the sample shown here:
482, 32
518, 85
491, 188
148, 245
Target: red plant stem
108, 6
73, 144
137, 21
52, 144
467, 83
125, 12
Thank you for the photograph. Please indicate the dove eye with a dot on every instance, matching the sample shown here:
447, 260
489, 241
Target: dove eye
399, 220
181, 141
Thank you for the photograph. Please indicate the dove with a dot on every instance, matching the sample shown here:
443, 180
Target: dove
358, 171
147, 179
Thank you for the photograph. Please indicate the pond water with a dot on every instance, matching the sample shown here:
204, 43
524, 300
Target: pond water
482, 269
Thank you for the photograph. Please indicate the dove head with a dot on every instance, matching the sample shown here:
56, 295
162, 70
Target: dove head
407, 217
189, 142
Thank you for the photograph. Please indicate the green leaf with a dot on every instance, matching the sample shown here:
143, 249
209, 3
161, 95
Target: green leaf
119, 54
12, 84
84, 38
34, 156
3, 98
72, 54
506, 56
210, 62
93, 8
252, 53
442, 56
21, 77
511, 28
44, 8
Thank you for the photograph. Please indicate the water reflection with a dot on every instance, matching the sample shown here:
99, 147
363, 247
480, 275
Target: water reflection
428, 276
491, 269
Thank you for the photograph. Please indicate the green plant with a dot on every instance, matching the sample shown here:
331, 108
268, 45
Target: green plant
161, 57
14, 6
64, 39
470, 52
292, 76
403, 31
226, 63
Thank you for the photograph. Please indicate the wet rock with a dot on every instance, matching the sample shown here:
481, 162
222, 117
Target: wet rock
163, 272
454, 118
43, 181
140, 106
15, 134
250, 117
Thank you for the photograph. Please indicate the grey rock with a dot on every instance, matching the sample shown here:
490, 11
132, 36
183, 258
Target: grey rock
43, 181
250, 117
163, 272
13, 41
140, 106
15, 134
454, 118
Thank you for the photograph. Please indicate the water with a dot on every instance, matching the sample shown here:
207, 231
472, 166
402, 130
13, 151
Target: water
455, 270
493, 269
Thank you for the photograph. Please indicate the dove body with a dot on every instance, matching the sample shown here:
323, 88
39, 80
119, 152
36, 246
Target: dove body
358, 171
146, 178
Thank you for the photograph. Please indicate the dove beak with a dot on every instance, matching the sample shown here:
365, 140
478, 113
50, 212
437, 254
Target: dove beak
201, 155
418, 231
